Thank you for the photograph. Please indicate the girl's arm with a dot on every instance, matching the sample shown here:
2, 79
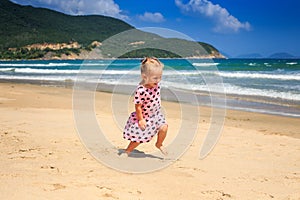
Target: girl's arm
139, 115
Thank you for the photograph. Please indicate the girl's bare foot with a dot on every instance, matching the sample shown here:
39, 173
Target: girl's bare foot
162, 149
124, 155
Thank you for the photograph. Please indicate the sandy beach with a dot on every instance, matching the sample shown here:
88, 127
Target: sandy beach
42, 157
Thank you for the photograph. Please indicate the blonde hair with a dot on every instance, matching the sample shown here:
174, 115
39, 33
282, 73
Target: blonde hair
149, 64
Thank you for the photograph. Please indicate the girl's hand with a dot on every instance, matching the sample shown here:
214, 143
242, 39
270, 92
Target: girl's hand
139, 114
142, 124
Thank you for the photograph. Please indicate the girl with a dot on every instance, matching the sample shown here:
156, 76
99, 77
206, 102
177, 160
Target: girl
147, 120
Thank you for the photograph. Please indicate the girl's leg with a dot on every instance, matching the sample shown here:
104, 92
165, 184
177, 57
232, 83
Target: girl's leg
162, 133
131, 147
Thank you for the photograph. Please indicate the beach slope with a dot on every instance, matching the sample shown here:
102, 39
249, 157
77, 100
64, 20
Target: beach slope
42, 157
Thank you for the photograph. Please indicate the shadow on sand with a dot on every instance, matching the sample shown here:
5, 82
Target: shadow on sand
139, 154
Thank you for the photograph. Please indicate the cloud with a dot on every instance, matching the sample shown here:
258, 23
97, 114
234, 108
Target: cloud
225, 22
152, 17
79, 7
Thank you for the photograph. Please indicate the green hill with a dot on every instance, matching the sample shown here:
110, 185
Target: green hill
25, 25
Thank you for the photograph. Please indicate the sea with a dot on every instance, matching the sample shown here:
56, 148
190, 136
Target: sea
270, 86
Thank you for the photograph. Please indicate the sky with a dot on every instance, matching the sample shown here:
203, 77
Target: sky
234, 27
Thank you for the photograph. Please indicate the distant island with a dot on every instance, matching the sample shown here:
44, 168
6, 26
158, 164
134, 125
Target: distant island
38, 33
282, 55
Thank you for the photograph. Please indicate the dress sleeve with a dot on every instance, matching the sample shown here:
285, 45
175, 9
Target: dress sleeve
138, 99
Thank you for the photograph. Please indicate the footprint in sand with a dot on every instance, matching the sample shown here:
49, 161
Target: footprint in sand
106, 191
58, 186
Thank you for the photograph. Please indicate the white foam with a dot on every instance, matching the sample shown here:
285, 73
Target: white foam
295, 76
35, 65
53, 64
288, 95
292, 63
205, 64
236, 90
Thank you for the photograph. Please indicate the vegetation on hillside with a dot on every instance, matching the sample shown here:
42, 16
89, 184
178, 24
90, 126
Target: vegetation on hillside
25, 25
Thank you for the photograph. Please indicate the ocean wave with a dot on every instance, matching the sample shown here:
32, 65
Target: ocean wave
187, 85
36, 65
253, 64
276, 75
7, 69
38, 71
236, 90
268, 64
288, 95
62, 71
292, 63
295, 76
54, 64
205, 64
99, 71
46, 78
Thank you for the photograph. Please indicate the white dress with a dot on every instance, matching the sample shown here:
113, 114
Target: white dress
149, 98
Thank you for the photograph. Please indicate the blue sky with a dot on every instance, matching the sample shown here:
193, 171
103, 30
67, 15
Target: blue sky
234, 27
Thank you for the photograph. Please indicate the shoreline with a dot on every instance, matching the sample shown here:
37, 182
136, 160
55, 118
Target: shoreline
247, 103
107, 89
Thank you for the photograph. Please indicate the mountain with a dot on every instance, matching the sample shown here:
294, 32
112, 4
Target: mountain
23, 25
281, 55
39, 33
